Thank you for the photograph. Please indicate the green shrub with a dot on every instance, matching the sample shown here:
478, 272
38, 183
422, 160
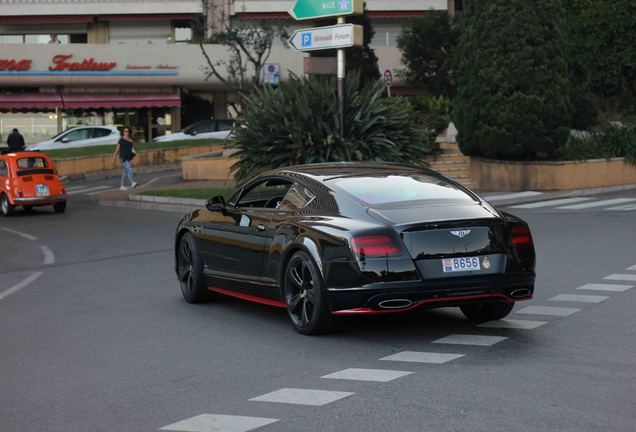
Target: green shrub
436, 111
609, 142
298, 123
513, 97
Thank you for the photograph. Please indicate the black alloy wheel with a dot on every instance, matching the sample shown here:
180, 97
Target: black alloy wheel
481, 312
6, 208
304, 296
190, 268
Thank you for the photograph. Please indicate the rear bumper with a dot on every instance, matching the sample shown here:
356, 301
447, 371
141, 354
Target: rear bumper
431, 294
39, 200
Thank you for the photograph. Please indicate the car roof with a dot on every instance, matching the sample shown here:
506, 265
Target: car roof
19, 155
325, 171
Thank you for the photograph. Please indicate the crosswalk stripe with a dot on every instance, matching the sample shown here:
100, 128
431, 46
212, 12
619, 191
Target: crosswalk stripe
597, 203
219, 423
548, 310
621, 277
502, 197
550, 203
467, 339
623, 208
422, 357
90, 189
606, 287
302, 396
578, 298
374, 375
513, 324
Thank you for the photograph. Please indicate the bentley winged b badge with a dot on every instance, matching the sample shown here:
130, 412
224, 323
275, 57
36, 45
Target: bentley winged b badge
460, 233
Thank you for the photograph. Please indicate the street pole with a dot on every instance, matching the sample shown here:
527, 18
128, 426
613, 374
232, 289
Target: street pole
341, 82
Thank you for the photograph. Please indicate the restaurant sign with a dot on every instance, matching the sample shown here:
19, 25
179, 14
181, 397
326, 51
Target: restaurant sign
65, 64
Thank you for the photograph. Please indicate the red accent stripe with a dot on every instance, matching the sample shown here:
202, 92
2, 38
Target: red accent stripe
248, 297
369, 311
47, 19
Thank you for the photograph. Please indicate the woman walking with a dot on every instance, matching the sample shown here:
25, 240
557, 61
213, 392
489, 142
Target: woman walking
125, 149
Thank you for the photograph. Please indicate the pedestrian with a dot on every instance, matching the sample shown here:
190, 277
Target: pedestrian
126, 150
15, 141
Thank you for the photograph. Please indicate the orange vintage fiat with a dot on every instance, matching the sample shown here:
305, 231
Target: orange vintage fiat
29, 179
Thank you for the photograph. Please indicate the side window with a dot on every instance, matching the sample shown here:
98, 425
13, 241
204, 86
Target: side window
76, 135
297, 197
100, 132
4, 170
206, 127
266, 194
223, 125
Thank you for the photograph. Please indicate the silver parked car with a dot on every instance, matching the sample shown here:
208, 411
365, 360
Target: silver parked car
80, 136
205, 129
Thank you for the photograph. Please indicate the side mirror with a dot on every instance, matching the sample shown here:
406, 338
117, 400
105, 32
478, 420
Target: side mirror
216, 203
193, 133
65, 140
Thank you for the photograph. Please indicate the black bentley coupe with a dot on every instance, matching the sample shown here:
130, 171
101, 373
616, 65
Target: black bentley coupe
328, 240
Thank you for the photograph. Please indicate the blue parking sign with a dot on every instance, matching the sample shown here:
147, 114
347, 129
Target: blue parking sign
306, 39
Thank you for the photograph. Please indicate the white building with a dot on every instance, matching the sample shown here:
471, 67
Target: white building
69, 62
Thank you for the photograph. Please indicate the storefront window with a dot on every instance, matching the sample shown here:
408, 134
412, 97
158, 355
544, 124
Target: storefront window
34, 127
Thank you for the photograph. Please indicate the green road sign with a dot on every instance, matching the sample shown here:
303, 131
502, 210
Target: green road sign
313, 9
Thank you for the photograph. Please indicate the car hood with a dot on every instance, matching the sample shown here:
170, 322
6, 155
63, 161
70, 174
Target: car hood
432, 213
172, 137
40, 145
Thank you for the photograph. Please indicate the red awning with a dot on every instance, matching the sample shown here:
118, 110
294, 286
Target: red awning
124, 100
46, 19
19, 101
50, 101
146, 17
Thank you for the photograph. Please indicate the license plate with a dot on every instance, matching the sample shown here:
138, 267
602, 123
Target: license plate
42, 190
451, 265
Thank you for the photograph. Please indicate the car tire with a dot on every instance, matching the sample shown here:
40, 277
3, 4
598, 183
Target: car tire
60, 207
481, 312
6, 208
190, 272
304, 295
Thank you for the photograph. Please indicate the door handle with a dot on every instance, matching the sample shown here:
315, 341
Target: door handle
260, 227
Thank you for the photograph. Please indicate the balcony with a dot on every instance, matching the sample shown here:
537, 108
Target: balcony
97, 7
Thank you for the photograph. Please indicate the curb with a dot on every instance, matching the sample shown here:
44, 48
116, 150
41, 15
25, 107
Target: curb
167, 200
100, 175
141, 205
548, 195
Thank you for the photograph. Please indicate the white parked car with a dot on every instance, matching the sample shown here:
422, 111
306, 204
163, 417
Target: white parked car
80, 136
205, 129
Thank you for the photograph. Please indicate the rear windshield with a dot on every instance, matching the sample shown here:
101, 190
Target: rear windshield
35, 162
390, 189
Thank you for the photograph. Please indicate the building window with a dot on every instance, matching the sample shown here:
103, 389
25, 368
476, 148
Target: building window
182, 35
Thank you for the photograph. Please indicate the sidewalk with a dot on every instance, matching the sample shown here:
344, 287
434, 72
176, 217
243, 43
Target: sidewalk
132, 198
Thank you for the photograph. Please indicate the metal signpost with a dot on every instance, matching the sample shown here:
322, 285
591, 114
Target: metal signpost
337, 37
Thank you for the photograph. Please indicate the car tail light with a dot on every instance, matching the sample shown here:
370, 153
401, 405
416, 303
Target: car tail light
521, 235
375, 246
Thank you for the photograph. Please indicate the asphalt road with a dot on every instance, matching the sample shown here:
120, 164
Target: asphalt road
95, 336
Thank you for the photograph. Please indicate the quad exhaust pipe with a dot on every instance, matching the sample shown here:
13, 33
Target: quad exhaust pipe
519, 293
395, 304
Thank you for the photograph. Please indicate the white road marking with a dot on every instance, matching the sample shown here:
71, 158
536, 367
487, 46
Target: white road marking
90, 189
72, 188
632, 268
606, 287
621, 277
302, 396
466, 339
17, 287
502, 197
623, 208
21, 234
548, 310
376, 375
513, 324
100, 191
219, 423
49, 256
597, 203
579, 298
550, 203
422, 357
